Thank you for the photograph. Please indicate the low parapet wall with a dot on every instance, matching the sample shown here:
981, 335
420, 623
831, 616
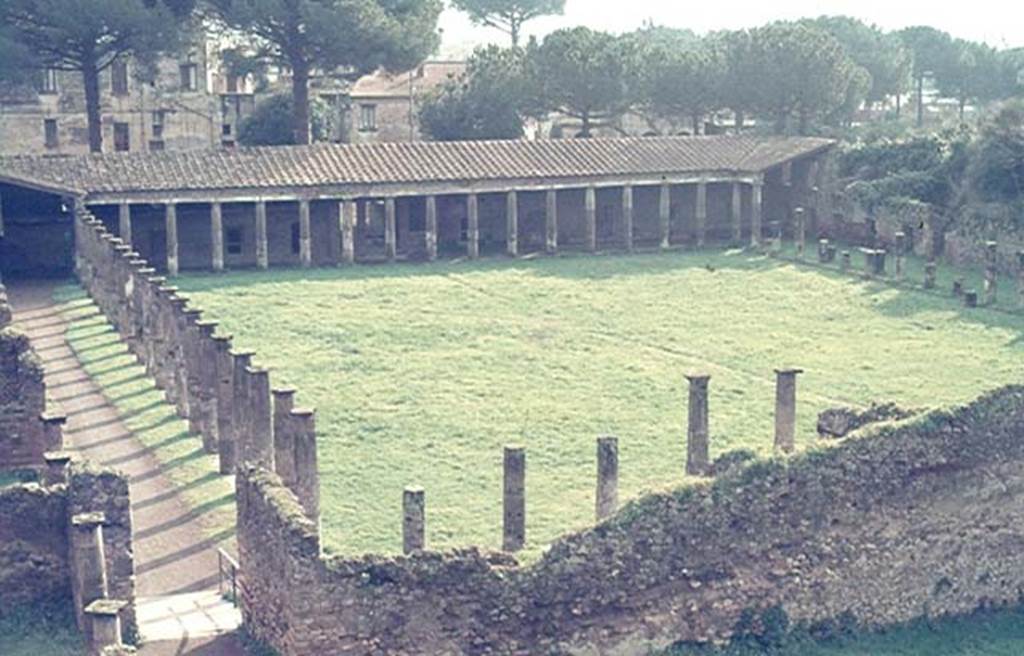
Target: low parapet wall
918, 519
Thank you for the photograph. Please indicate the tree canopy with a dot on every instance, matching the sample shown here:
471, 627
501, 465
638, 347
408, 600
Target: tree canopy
270, 123
508, 15
882, 55
348, 38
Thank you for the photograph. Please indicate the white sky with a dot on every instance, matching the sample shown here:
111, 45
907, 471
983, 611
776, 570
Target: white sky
998, 22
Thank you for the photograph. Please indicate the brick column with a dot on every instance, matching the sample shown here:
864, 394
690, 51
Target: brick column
124, 222
53, 429
171, 225
785, 409
756, 213
241, 426
305, 234
225, 401
991, 271
607, 501
390, 236
56, 472
845, 261
800, 218
665, 215
701, 213
590, 217
430, 228
104, 620
737, 213
514, 499
413, 520
217, 236
261, 435
262, 247
627, 217
698, 461
88, 563
512, 224
551, 222
284, 436
472, 226
348, 214
899, 248
206, 353
930, 269
307, 473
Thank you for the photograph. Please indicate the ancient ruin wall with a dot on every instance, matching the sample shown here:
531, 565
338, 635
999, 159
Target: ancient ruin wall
920, 519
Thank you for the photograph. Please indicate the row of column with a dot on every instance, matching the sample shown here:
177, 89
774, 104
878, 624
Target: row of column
348, 212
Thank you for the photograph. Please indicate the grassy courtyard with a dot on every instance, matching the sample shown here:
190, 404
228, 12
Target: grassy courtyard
421, 373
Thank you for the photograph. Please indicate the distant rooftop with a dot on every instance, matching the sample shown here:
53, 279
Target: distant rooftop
427, 76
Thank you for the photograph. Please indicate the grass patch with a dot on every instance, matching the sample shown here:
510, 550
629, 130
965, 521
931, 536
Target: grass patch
41, 631
143, 409
421, 373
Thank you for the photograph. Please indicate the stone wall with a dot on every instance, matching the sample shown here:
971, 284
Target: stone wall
899, 522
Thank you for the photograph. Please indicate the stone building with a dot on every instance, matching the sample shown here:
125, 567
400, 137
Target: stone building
334, 204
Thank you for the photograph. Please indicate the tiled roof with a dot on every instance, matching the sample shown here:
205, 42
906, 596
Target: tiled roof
335, 165
401, 85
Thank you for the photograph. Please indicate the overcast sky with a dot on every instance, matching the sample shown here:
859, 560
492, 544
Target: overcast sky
998, 22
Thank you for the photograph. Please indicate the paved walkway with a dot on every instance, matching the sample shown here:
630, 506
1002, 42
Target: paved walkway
175, 563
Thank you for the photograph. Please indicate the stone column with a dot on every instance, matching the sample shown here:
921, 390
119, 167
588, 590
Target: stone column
307, 473
702, 213
845, 261
512, 224
991, 271
124, 222
217, 235
53, 429
305, 234
348, 213
930, 269
785, 409
698, 462
104, 620
590, 217
88, 563
756, 216
472, 226
171, 221
224, 400
56, 472
551, 222
261, 437
284, 436
240, 424
800, 218
607, 501
413, 520
627, 217
206, 353
390, 236
737, 213
262, 247
514, 525
899, 248
430, 228
665, 215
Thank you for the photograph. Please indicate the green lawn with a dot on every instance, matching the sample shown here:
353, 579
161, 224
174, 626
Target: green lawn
421, 373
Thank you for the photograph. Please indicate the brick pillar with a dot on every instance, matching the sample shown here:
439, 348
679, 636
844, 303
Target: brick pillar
701, 213
551, 222
56, 472
756, 213
171, 223
124, 222
261, 437
737, 214
512, 224
899, 248
800, 219
88, 563
217, 236
240, 424
305, 235
514, 499
991, 271
430, 228
348, 213
206, 353
590, 217
698, 462
262, 244
785, 409
472, 226
104, 621
845, 261
823, 245
307, 473
607, 501
224, 401
930, 269
665, 215
627, 217
284, 436
390, 236
190, 376
413, 520
53, 429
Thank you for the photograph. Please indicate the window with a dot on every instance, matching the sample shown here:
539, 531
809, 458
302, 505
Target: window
50, 132
189, 81
232, 83
48, 81
226, 130
368, 117
233, 241
122, 137
156, 145
296, 238
158, 124
119, 78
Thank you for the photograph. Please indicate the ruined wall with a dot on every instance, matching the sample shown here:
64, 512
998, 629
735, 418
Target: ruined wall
911, 520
